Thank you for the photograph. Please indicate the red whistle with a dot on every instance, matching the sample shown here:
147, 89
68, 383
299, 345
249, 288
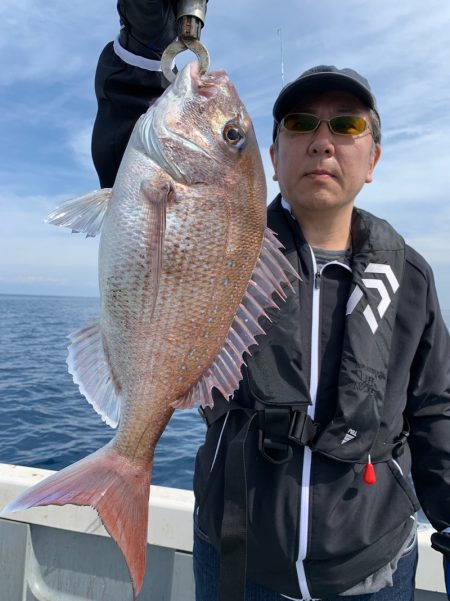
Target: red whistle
369, 476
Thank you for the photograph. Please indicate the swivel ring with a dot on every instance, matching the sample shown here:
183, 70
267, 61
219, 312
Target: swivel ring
176, 48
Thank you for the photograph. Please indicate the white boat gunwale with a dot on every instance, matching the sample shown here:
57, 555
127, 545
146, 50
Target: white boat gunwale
170, 524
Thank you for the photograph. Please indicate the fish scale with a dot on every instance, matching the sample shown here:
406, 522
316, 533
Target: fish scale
186, 269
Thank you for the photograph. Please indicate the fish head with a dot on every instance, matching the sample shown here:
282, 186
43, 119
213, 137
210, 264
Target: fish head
199, 130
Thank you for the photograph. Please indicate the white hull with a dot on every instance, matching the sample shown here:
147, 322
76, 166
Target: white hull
65, 554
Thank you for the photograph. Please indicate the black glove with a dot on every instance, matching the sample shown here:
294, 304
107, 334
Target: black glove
148, 26
441, 542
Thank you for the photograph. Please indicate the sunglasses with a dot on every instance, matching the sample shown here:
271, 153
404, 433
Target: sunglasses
343, 125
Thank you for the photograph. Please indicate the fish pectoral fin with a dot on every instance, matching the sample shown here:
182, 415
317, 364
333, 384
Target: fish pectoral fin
88, 363
83, 214
273, 274
157, 198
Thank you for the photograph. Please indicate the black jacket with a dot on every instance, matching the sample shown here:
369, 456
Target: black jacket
348, 529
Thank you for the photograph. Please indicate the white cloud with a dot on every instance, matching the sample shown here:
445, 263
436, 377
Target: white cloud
31, 279
413, 171
79, 142
43, 257
435, 249
50, 40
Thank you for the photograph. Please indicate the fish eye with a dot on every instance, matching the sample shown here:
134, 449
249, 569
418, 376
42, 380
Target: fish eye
233, 135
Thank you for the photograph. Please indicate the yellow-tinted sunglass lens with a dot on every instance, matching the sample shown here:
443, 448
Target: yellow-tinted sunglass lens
348, 125
300, 122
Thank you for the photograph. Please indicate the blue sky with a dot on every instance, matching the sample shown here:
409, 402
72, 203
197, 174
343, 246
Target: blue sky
48, 55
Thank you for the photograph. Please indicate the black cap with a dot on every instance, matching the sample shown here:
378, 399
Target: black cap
322, 78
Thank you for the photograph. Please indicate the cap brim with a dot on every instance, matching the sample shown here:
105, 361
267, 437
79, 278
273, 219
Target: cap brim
319, 82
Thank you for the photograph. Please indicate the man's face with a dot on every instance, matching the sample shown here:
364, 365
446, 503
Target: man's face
322, 171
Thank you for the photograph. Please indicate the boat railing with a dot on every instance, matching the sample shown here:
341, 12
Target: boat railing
65, 554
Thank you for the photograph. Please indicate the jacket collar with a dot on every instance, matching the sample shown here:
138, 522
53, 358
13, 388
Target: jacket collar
370, 234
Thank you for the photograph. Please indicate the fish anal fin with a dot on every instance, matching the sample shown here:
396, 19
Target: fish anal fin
270, 276
88, 362
82, 214
113, 485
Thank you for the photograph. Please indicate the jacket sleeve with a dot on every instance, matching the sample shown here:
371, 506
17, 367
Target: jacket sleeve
124, 91
428, 411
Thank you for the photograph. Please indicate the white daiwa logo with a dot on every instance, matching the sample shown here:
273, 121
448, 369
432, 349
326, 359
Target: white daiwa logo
351, 435
377, 283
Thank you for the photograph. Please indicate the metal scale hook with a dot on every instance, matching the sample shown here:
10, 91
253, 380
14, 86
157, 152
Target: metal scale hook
191, 19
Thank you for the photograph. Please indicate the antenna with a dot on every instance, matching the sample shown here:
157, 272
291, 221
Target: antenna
280, 33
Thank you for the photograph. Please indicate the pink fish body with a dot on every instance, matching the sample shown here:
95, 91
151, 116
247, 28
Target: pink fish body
186, 268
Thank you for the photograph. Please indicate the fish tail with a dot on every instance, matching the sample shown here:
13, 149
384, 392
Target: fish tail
116, 487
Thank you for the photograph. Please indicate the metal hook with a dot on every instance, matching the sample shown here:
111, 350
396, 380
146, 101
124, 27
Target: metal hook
176, 48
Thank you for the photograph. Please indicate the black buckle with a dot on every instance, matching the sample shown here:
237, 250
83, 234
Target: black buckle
302, 429
273, 451
399, 444
273, 428
279, 426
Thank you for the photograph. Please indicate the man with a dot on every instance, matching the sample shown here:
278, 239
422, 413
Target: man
302, 484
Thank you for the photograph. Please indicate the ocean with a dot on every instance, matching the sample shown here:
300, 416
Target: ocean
45, 421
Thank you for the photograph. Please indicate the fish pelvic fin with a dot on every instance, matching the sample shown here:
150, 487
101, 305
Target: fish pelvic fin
272, 274
83, 214
116, 487
88, 363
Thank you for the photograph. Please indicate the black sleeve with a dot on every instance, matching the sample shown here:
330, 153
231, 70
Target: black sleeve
429, 414
147, 26
125, 92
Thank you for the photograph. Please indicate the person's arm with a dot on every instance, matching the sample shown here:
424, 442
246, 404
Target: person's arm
428, 411
128, 78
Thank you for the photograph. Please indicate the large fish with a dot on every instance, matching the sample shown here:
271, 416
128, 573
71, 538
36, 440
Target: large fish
186, 268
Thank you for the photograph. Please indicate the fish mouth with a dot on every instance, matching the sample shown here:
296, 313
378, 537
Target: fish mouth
207, 84
190, 80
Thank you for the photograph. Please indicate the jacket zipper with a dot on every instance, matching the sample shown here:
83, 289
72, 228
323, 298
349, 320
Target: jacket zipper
307, 455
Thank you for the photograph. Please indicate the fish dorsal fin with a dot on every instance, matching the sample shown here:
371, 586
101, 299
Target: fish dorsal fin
90, 369
268, 278
83, 214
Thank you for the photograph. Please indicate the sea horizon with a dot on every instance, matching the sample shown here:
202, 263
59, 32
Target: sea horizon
81, 296
37, 294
